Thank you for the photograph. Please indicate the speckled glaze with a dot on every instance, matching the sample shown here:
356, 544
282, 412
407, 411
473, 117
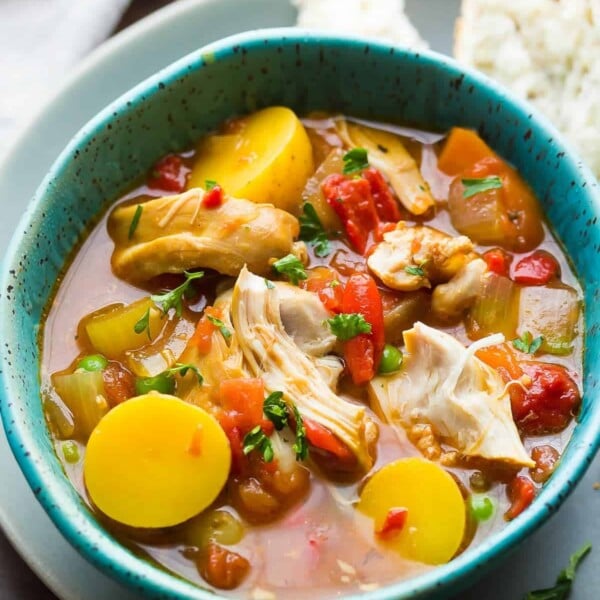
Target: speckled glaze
170, 111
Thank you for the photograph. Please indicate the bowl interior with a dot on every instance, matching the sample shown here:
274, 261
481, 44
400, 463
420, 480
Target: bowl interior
171, 110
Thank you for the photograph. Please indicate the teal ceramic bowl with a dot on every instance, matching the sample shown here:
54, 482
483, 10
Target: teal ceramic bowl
171, 110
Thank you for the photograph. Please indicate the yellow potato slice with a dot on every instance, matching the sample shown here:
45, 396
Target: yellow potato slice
436, 518
268, 161
156, 461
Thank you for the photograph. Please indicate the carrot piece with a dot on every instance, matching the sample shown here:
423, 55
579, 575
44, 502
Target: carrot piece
503, 359
244, 396
202, 338
462, 149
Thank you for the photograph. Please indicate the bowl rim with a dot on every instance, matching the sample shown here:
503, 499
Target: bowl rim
93, 541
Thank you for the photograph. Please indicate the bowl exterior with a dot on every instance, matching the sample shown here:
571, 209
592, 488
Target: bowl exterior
169, 112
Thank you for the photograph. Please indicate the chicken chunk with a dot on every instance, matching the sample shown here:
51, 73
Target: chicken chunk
271, 353
410, 258
446, 386
177, 233
450, 300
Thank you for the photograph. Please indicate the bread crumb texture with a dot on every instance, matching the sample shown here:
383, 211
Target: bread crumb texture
546, 51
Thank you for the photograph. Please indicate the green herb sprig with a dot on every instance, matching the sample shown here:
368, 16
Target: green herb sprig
256, 439
346, 326
355, 161
182, 369
173, 299
220, 326
313, 232
480, 184
527, 343
291, 267
135, 221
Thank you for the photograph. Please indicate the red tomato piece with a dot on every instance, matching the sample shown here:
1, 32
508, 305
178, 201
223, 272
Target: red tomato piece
550, 401
521, 493
202, 338
324, 282
385, 204
363, 352
244, 397
169, 174
545, 458
213, 198
498, 261
320, 437
394, 522
538, 268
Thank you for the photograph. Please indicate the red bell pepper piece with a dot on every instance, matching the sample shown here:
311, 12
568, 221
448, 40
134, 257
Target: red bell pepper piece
498, 261
213, 198
521, 493
324, 282
385, 204
363, 352
536, 269
394, 522
244, 397
320, 437
168, 174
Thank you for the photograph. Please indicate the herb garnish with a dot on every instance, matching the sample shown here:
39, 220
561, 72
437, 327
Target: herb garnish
173, 299
182, 369
565, 579
300, 446
270, 285
220, 326
346, 326
276, 410
527, 343
355, 160
291, 266
257, 440
135, 221
415, 270
480, 184
312, 230
209, 184
143, 324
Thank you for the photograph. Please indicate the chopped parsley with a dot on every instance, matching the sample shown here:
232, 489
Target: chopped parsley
209, 184
346, 326
300, 446
135, 221
565, 579
291, 267
276, 410
355, 160
220, 326
416, 270
143, 324
182, 370
480, 184
173, 299
256, 439
527, 343
312, 231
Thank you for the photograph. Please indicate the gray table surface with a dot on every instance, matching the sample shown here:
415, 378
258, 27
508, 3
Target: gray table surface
534, 564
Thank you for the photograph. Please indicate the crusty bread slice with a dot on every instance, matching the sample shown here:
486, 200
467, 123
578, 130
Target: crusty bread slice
547, 51
384, 20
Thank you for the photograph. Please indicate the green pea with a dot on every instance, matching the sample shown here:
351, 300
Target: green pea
481, 507
93, 362
391, 359
70, 452
163, 383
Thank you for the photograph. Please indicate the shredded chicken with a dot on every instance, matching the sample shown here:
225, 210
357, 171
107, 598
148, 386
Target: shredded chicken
271, 353
410, 258
177, 233
447, 387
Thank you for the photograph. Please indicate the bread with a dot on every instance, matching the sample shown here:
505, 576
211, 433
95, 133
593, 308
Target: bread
546, 51
384, 20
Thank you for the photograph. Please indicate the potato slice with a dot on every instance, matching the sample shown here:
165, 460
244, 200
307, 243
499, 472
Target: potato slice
436, 518
156, 461
268, 160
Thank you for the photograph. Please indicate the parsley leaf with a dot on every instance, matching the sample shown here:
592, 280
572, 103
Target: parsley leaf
209, 184
182, 369
135, 221
276, 410
220, 326
355, 160
526, 343
291, 266
256, 439
345, 326
173, 299
415, 270
312, 231
480, 184
300, 446
143, 324
564, 580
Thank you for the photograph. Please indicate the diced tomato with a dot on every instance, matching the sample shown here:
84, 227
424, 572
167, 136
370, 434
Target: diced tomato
498, 261
538, 268
324, 282
363, 352
169, 174
502, 358
235, 437
202, 338
119, 383
394, 522
385, 203
550, 401
244, 397
521, 493
320, 437
213, 198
